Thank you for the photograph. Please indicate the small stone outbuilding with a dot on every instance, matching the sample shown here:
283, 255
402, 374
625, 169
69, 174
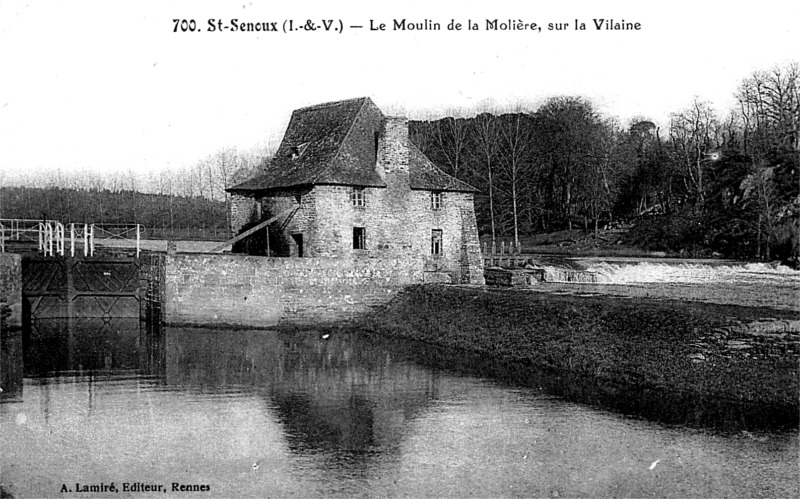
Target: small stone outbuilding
360, 189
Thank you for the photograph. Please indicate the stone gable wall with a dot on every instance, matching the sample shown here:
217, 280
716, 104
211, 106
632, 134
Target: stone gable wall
301, 222
244, 210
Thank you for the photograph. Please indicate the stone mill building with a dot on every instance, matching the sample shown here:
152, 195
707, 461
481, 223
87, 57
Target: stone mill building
346, 182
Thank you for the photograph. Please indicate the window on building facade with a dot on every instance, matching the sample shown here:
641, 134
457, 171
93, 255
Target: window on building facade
359, 239
357, 196
436, 200
436, 242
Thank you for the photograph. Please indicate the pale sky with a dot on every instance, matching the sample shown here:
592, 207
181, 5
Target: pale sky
109, 86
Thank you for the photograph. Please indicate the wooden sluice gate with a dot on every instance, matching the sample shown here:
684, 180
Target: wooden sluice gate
506, 265
75, 287
502, 255
509, 261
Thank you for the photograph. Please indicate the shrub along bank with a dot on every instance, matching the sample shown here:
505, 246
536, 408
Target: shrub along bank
693, 349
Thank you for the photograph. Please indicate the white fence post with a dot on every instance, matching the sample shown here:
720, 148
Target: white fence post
59, 234
48, 239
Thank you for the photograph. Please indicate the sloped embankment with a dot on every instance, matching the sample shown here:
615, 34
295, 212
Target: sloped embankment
683, 347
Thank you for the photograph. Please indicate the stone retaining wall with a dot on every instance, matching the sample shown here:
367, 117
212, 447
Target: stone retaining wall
10, 291
767, 337
255, 291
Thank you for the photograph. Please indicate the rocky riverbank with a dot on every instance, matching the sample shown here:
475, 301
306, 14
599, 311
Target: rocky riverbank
743, 354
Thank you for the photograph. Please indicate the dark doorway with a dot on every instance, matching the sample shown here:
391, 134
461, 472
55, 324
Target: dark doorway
256, 243
298, 240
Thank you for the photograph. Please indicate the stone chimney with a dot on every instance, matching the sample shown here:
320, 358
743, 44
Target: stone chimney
393, 152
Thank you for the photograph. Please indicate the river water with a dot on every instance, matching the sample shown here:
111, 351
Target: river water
302, 414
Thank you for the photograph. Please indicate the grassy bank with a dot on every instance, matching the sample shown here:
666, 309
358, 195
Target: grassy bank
640, 343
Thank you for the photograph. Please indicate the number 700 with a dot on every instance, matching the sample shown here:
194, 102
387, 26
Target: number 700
184, 25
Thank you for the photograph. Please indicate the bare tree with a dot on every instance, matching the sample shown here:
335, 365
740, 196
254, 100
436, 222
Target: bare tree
133, 185
486, 139
450, 138
769, 105
600, 172
189, 183
421, 135
515, 134
762, 194
695, 138
225, 162
166, 182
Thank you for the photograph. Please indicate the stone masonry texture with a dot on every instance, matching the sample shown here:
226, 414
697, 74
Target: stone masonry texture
336, 152
205, 289
244, 210
10, 291
398, 222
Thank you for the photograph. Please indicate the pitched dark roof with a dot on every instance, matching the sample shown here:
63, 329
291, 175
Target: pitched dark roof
333, 143
311, 150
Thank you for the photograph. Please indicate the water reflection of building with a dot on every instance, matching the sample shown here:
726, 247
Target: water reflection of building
339, 396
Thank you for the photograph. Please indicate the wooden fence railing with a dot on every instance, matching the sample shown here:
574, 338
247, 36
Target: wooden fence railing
503, 254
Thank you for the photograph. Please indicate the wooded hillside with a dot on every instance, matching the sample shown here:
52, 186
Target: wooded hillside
727, 184
163, 216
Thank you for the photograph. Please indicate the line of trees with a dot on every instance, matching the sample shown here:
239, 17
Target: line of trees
168, 201
178, 214
726, 184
